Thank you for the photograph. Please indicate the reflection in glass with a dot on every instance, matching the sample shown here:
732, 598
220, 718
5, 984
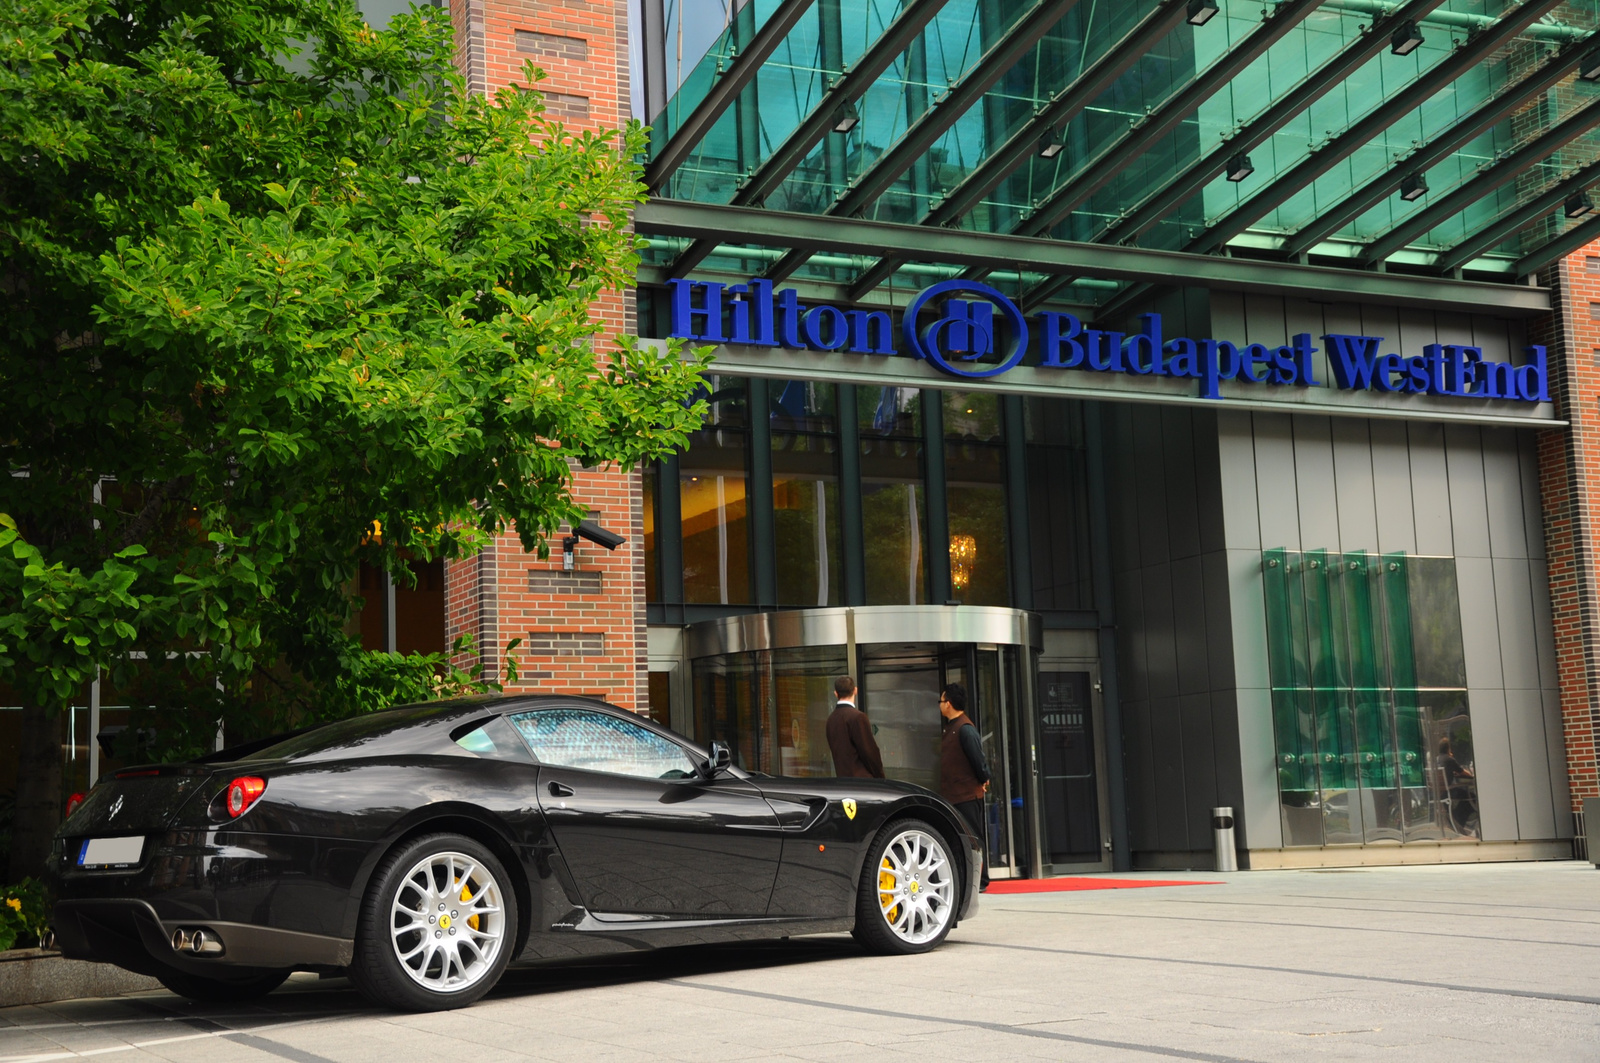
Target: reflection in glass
1374, 740
893, 509
770, 707
712, 476
900, 693
805, 492
975, 464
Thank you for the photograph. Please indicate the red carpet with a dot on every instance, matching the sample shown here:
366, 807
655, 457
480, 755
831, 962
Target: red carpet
1057, 885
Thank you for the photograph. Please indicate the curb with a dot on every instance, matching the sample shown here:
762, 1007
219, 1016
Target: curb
42, 976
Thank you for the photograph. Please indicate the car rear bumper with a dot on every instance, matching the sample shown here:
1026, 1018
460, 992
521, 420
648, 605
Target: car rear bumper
128, 932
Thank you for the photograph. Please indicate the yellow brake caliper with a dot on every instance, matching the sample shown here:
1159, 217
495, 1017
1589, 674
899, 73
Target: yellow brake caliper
886, 889
466, 896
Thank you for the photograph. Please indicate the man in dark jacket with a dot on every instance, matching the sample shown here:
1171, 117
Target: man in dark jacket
963, 772
855, 751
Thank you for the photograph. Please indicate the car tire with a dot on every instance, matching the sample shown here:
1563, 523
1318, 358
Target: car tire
220, 988
427, 944
909, 892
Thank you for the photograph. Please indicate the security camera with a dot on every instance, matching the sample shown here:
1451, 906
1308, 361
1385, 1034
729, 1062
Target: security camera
595, 534
598, 535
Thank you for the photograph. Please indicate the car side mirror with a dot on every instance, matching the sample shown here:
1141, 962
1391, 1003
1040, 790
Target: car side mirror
721, 760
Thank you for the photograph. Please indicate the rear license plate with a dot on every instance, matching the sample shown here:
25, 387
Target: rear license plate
111, 852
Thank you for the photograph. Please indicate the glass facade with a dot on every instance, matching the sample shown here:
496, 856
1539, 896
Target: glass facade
974, 464
805, 492
1369, 700
712, 478
894, 511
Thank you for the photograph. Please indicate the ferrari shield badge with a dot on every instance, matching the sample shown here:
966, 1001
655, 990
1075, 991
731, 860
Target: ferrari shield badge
849, 807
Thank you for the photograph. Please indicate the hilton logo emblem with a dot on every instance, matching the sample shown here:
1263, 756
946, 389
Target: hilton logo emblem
967, 332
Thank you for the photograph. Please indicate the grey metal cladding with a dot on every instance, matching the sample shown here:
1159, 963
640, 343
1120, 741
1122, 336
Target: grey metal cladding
1149, 486
1519, 650
1480, 630
1166, 746
1131, 657
1275, 481
1491, 746
1199, 768
1161, 653
1430, 490
1469, 504
1259, 771
1532, 504
1178, 474
1140, 760
1353, 480
1314, 490
1555, 745
1530, 764
1190, 627
1543, 628
1503, 493
1208, 481
1391, 487
1236, 471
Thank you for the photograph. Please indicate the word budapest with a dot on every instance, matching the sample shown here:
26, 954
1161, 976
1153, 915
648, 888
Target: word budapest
982, 337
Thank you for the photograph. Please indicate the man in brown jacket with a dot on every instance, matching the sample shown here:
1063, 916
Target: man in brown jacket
855, 751
963, 772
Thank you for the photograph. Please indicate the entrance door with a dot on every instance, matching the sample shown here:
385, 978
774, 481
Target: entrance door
1075, 821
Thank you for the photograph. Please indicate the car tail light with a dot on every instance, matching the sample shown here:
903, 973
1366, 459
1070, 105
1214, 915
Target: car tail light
73, 802
243, 792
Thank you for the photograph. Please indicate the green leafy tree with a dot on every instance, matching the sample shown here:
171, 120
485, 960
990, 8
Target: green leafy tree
278, 297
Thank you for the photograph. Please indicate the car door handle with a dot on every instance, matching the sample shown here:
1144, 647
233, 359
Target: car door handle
558, 789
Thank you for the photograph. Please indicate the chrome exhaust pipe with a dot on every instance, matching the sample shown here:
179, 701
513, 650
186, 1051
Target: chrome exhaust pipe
196, 942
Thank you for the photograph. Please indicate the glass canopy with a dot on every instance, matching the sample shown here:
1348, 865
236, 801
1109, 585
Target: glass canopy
1119, 121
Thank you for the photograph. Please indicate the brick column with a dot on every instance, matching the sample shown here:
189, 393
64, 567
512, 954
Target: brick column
583, 632
1569, 486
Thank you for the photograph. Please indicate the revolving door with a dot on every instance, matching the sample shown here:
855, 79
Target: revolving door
763, 684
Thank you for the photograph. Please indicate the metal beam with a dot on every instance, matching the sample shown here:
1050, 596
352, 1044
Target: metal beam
726, 88
1452, 139
1063, 108
1475, 188
1317, 84
933, 123
809, 234
850, 86
1501, 228
1118, 155
1561, 246
1476, 49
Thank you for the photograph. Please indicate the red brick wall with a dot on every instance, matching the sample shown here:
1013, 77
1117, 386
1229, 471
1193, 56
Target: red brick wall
576, 639
1569, 475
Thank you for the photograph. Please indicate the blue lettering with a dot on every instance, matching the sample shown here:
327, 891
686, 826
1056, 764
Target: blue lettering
1185, 358
1303, 354
1252, 357
1352, 359
1533, 378
1498, 380
789, 315
861, 332
1142, 351
1284, 370
826, 339
1383, 371
1105, 350
1418, 374
1062, 331
684, 311
1219, 361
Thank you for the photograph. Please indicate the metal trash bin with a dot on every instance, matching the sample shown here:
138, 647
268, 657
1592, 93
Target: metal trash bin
1222, 839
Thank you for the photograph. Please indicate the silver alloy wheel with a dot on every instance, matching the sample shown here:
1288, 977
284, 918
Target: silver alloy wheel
916, 886
447, 922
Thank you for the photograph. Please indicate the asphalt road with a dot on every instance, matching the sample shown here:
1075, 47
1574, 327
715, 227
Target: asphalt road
1465, 963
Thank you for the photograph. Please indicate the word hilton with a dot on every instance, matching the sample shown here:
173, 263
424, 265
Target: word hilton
964, 341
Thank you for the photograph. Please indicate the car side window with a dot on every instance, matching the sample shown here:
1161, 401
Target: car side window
595, 741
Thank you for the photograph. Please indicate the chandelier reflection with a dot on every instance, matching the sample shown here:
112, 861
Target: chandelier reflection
963, 554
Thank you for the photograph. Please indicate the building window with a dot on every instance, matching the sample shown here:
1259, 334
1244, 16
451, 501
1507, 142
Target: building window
1369, 700
805, 492
652, 576
975, 477
893, 507
712, 475
1058, 504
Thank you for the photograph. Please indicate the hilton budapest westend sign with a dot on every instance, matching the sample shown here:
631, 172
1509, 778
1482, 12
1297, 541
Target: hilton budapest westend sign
972, 331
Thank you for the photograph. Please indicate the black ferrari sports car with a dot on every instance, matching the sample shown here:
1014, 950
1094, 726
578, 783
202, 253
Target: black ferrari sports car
424, 848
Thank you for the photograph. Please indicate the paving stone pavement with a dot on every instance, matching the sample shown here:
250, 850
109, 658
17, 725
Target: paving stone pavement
1462, 963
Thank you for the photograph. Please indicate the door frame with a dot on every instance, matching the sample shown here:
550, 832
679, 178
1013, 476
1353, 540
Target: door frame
1073, 663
